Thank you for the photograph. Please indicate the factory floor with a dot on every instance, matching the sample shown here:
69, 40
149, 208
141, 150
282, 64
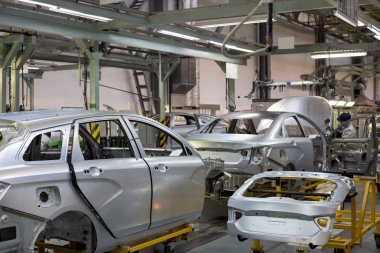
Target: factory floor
211, 236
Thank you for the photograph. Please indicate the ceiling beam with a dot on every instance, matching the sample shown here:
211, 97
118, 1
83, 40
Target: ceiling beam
240, 9
96, 10
309, 48
375, 3
26, 52
42, 23
206, 35
102, 63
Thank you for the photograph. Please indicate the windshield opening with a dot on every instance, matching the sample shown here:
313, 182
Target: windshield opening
256, 125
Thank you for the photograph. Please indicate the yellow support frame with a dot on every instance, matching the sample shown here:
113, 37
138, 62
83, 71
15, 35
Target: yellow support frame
359, 222
172, 235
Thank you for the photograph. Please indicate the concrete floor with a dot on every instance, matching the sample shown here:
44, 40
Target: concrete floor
211, 236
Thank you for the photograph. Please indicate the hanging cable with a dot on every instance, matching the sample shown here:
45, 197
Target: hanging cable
22, 106
268, 46
85, 70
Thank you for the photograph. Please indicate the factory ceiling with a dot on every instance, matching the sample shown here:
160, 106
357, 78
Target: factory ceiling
129, 37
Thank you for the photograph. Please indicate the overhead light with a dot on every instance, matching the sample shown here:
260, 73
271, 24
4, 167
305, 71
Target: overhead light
345, 18
337, 54
374, 29
340, 103
231, 46
230, 21
360, 23
56, 8
179, 35
377, 37
33, 68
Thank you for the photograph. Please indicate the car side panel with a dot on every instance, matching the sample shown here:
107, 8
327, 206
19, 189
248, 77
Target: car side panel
177, 191
119, 189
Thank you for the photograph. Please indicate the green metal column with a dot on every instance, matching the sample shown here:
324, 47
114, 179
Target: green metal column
30, 83
15, 87
93, 54
161, 88
231, 105
94, 80
3, 80
7, 56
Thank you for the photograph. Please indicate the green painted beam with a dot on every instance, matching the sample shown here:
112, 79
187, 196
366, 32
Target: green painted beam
170, 71
375, 3
97, 11
130, 58
33, 75
84, 45
42, 23
240, 9
27, 52
206, 35
309, 48
103, 63
367, 20
59, 67
11, 54
10, 39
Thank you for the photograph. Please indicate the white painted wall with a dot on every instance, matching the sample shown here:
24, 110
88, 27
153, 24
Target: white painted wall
290, 67
61, 89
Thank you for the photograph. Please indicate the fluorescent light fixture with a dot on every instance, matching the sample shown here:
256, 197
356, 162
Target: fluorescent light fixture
230, 21
345, 18
340, 103
68, 11
374, 29
377, 37
337, 54
231, 46
179, 35
349, 104
33, 68
332, 102
360, 23
36, 2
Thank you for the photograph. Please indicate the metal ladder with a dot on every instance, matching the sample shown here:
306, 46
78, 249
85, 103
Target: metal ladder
137, 4
144, 93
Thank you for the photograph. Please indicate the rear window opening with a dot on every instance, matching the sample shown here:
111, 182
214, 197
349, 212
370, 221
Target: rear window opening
44, 147
294, 188
9, 131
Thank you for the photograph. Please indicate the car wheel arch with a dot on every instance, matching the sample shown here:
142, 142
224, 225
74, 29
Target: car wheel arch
72, 225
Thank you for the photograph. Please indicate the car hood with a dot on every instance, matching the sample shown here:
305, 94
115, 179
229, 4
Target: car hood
225, 141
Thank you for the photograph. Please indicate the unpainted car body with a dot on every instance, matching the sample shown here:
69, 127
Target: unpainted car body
356, 155
270, 141
100, 178
184, 122
287, 216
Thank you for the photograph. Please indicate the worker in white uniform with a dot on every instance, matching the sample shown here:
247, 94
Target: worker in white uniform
347, 129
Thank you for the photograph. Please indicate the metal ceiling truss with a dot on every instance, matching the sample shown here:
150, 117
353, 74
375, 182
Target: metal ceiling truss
54, 25
115, 31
